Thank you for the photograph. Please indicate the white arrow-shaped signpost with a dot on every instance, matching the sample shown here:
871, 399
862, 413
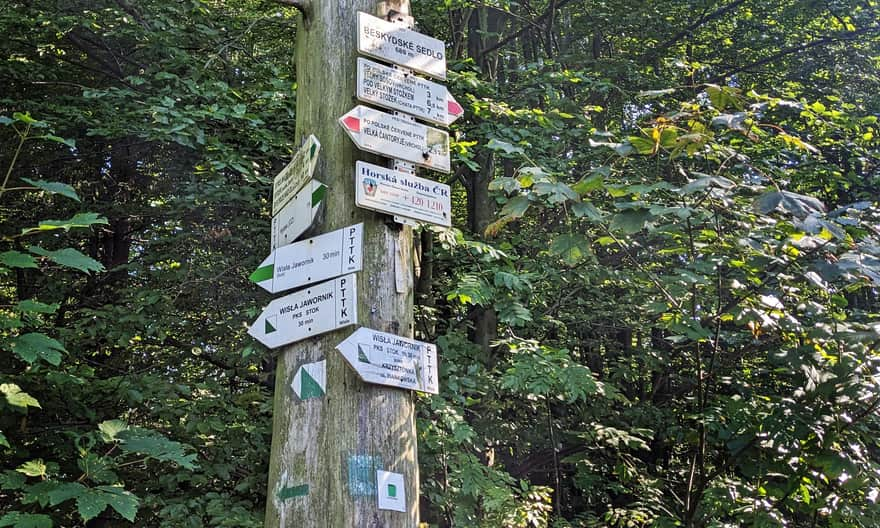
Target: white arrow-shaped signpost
400, 193
387, 359
390, 42
298, 215
292, 178
398, 90
311, 311
388, 135
312, 260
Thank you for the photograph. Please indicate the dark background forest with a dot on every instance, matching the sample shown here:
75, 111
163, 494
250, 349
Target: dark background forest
657, 307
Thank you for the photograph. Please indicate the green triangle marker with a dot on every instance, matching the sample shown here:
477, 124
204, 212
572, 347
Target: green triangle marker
263, 273
318, 195
361, 356
309, 387
269, 327
312, 150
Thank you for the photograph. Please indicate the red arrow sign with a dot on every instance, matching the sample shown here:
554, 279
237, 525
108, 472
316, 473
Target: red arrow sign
352, 123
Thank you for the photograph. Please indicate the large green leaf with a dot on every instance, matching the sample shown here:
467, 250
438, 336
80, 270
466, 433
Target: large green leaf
572, 247
156, 446
503, 146
54, 188
795, 204
80, 220
70, 258
26, 520
33, 346
65, 491
124, 502
3, 440
15, 259
630, 221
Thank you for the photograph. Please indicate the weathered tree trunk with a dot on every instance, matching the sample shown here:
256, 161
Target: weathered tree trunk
326, 450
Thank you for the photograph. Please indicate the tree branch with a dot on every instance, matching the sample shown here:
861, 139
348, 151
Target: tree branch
553, 8
843, 37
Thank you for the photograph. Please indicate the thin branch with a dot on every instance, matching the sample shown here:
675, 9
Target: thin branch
525, 28
718, 13
843, 37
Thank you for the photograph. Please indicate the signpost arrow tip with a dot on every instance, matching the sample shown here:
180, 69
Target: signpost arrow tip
453, 107
352, 123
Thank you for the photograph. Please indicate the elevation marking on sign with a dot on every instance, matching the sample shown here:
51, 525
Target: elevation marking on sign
398, 90
298, 215
295, 174
388, 135
311, 311
394, 43
400, 193
387, 359
311, 260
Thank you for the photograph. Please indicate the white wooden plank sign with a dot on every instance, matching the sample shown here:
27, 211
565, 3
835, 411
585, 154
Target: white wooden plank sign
391, 42
312, 260
311, 311
387, 359
399, 90
299, 171
400, 193
298, 215
388, 135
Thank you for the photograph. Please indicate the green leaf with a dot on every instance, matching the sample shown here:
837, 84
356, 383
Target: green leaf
32, 306
12, 480
98, 468
630, 221
124, 502
642, 145
33, 346
17, 398
589, 184
15, 259
154, 445
26, 520
586, 209
81, 220
90, 504
555, 192
54, 188
28, 120
516, 206
69, 142
797, 205
70, 258
65, 491
33, 468
3, 441
572, 247
111, 428
503, 146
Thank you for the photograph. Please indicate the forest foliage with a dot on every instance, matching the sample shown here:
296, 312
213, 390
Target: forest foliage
658, 304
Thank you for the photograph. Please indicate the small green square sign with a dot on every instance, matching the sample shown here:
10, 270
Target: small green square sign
392, 490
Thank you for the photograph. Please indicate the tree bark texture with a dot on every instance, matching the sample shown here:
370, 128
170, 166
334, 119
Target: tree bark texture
326, 450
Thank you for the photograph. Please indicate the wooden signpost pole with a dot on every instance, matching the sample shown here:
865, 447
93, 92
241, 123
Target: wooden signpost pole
333, 433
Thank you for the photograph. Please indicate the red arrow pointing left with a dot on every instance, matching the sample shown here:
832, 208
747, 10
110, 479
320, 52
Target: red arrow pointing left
352, 123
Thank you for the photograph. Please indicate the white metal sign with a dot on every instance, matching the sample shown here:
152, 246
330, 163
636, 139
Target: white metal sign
400, 193
307, 312
295, 174
388, 135
399, 90
387, 359
394, 43
298, 215
312, 260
